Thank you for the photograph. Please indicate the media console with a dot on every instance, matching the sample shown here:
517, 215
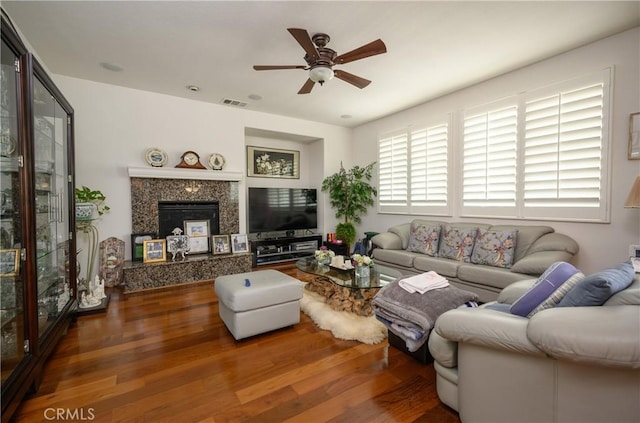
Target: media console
275, 250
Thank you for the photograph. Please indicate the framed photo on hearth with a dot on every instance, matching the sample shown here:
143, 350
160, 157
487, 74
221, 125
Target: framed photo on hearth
198, 232
239, 243
196, 228
265, 162
198, 245
154, 250
137, 244
220, 244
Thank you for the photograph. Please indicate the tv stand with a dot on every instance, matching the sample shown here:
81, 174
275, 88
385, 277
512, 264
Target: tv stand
277, 250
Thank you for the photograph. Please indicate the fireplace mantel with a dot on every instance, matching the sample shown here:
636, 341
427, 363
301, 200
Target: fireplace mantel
178, 173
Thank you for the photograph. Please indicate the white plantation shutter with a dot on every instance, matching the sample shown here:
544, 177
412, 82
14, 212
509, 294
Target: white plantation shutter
393, 172
565, 150
413, 171
542, 154
490, 159
429, 148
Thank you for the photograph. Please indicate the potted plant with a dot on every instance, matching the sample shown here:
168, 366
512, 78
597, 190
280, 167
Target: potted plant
350, 194
88, 202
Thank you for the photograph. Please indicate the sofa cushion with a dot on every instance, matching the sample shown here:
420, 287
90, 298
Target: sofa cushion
457, 242
595, 289
536, 263
527, 235
444, 267
494, 248
424, 238
397, 257
545, 287
496, 277
403, 230
629, 296
387, 240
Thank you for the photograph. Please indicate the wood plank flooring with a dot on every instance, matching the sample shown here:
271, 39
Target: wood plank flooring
167, 356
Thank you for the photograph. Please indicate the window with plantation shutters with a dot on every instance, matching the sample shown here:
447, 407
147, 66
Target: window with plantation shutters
428, 170
413, 171
489, 158
563, 149
393, 174
541, 154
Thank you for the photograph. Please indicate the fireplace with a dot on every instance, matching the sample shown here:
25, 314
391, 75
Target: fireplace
148, 193
217, 200
173, 214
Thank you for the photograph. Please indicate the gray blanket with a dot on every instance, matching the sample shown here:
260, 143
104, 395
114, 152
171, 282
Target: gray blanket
412, 316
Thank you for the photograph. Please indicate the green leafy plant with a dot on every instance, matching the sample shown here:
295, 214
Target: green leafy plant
350, 194
87, 195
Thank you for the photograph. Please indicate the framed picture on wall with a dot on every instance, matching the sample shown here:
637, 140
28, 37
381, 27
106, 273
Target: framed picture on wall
239, 243
634, 136
265, 162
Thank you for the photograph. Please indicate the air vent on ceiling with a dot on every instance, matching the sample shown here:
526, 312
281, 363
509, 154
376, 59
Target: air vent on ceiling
235, 103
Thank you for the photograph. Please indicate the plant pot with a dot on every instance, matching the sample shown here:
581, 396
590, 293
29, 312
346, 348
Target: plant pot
85, 211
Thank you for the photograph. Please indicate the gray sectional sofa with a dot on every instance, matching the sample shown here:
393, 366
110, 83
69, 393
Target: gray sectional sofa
476, 257
564, 364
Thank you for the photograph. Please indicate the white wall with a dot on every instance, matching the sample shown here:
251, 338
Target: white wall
600, 244
114, 126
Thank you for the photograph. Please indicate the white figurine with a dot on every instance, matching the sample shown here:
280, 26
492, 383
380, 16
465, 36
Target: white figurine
88, 301
98, 290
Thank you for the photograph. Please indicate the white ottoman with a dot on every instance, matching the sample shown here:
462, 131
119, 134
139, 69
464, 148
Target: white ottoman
271, 301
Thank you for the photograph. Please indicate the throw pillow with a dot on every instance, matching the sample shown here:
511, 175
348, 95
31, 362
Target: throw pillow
494, 248
457, 243
557, 295
552, 279
595, 289
424, 238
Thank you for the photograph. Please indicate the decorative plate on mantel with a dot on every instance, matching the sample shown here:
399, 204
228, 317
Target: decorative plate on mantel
156, 157
216, 161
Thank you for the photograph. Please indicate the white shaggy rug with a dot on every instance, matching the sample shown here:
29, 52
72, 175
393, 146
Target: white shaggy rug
342, 324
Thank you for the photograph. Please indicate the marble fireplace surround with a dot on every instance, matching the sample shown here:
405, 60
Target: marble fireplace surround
151, 185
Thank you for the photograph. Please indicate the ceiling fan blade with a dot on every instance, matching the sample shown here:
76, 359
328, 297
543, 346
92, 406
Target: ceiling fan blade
351, 78
303, 38
276, 67
367, 50
306, 88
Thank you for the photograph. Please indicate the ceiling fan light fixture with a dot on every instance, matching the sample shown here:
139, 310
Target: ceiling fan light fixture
321, 74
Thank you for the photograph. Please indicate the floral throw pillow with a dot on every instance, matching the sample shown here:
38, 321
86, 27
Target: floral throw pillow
457, 243
424, 239
494, 248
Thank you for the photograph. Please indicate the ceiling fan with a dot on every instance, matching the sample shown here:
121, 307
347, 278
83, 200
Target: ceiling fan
321, 59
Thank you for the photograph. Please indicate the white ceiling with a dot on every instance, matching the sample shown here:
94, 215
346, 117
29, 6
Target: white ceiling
434, 48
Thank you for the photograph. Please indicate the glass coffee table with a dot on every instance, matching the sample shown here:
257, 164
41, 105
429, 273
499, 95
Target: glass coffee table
344, 291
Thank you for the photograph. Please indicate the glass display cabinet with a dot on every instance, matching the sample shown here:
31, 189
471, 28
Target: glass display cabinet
37, 242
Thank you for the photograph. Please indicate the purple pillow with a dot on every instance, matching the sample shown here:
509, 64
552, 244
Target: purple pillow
552, 279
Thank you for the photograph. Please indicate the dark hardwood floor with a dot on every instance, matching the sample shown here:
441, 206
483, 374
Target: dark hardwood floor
167, 356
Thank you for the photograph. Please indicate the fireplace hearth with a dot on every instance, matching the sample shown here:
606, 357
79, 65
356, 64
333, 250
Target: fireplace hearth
149, 194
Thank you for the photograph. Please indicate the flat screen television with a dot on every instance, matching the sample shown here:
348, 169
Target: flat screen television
282, 209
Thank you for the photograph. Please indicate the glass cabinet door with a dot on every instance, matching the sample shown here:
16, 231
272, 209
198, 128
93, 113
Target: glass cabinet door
52, 195
13, 327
